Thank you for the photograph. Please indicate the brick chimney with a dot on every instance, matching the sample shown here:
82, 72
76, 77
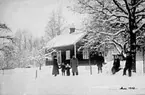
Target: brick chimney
72, 30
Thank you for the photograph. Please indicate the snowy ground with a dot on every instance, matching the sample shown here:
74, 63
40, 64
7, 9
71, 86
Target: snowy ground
24, 82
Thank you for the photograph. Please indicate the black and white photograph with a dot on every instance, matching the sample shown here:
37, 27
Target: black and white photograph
72, 47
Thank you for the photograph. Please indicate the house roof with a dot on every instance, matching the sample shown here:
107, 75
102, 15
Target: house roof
65, 40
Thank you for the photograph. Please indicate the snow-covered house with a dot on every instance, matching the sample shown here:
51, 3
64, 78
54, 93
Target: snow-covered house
67, 45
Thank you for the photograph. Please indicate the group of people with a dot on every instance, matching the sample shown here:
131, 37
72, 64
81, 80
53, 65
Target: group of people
128, 65
65, 68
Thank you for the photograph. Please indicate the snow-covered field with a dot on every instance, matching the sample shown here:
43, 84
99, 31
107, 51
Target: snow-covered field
23, 81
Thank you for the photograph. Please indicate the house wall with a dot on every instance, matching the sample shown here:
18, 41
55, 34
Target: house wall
63, 50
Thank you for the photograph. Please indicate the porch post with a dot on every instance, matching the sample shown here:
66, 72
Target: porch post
90, 62
143, 61
75, 50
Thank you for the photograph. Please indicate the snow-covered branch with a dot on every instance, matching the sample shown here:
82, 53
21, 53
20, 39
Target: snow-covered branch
120, 51
117, 44
103, 6
7, 37
139, 19
140, 14
127, 6
3, 26
115, 34
120, 22
86, 5
142, 10
119, 16
136, 30
138, 3
140, 37
119, 6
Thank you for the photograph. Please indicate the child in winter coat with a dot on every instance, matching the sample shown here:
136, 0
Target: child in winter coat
63, 69
68, 69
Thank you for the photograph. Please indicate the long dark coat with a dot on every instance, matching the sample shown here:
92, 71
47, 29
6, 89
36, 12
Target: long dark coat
116, 63
74, 64
128, 62
99, 61
55, 69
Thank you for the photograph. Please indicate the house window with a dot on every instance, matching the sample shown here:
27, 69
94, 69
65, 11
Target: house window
67, 54
85, 54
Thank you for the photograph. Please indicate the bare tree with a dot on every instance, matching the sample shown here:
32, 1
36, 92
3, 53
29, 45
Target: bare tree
24, 45
29, 50
55, 25
38, 53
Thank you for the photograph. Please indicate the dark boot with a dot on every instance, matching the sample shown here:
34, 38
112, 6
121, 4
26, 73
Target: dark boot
124, 71
129, 72
73, 73
55, 75
101, 69
98, 70
77, 73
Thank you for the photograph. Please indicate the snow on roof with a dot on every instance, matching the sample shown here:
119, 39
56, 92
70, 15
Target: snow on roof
65, 40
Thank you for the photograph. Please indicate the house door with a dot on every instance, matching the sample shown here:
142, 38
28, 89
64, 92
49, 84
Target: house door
59, 59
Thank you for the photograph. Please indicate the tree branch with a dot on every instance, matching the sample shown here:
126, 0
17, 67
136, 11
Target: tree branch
139, 19
136, 30
142, 10
115, 34
119, 16
140, 14
3, 26
112, 44
117, 44
119, 6
138, 3
6, 37
127, 7
139, 37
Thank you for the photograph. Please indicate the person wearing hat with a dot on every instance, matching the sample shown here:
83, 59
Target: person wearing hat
74, 65
55, 69
128, 64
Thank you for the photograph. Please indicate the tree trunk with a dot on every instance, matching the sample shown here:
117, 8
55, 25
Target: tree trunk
143, 60
132, 26
134, 2
133, 51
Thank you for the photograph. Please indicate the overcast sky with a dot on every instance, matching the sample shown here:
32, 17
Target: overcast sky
32, 15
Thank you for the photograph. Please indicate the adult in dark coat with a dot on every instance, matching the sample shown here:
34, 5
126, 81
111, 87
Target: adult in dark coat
100, 61
55, 70
128, 65
116, 66
74, 65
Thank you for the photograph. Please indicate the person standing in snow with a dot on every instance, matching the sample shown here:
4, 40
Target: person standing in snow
63, 69
68, 69
128, 65
74, 65
116, 65
55, 69
100, 61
